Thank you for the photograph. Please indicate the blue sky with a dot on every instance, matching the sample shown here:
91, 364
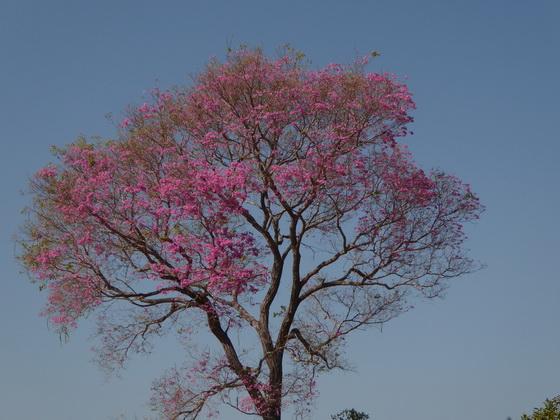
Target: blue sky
485, 79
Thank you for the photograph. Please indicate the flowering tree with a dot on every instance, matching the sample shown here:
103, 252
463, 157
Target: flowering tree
268, 204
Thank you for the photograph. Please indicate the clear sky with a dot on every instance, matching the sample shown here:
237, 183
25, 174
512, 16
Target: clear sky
485, 75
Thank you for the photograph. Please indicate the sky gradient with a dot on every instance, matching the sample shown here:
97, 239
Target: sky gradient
484, 75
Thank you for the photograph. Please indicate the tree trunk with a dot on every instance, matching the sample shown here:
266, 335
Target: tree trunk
274, 395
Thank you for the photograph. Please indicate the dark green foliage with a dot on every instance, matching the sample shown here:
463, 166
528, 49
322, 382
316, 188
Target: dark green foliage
550, 411
350, 415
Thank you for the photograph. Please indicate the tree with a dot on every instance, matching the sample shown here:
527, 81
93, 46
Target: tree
268, 204
350, 415
550, 411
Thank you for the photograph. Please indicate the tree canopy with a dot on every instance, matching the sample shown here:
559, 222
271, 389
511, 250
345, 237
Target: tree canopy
350, 415
550, 411
268, 204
